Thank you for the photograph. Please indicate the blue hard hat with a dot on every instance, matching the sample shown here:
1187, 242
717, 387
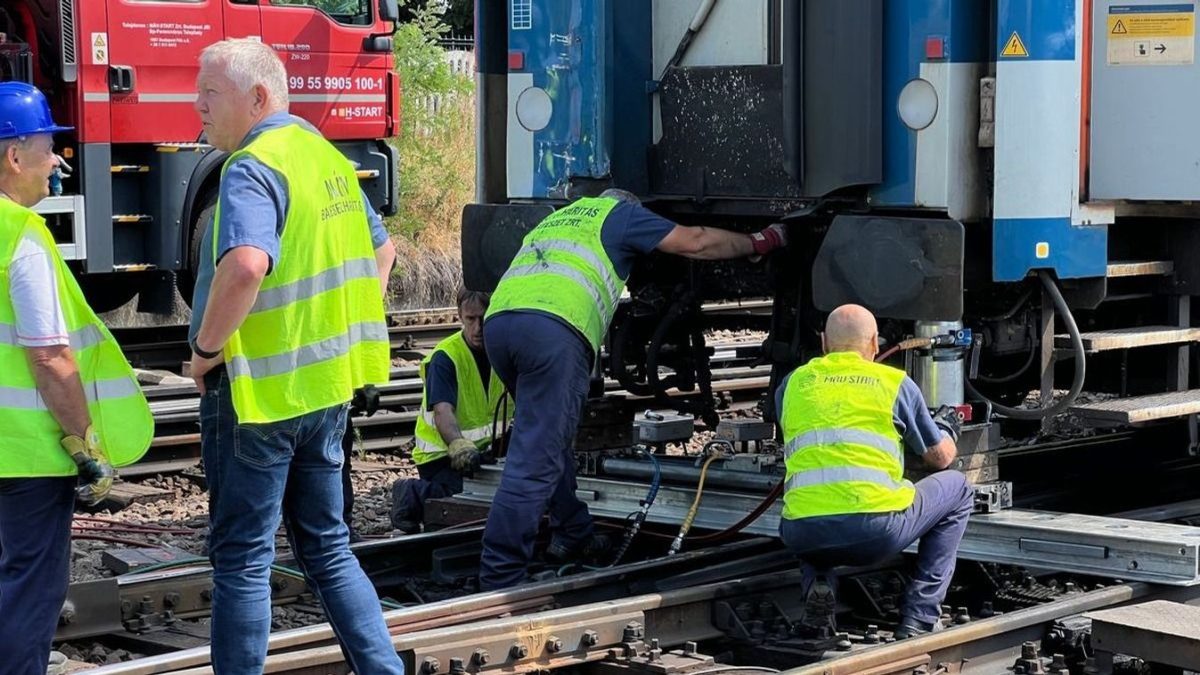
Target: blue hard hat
24, 111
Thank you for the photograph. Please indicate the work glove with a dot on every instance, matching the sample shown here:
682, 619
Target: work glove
95, 470
365, 401
768, 240
946, 419
464, 457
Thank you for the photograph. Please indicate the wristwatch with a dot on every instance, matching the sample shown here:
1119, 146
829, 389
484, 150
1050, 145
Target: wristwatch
201, 353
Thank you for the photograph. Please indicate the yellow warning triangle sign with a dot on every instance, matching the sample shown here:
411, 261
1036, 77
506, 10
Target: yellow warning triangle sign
99, 41
1014, 46
1119, 28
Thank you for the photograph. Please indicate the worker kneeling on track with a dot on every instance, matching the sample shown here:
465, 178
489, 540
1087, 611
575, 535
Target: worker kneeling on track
846, 421
70, 406
462, 399
543, 331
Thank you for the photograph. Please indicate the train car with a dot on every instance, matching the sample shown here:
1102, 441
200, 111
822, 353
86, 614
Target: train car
1013, 183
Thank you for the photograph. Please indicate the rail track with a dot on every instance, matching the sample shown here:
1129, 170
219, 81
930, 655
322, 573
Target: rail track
733, 608
730, 608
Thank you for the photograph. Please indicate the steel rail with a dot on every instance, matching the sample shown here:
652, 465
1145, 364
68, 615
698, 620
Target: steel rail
984, 644
602, 587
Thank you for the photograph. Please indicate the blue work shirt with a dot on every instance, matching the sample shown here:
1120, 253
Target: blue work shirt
254, 203
910, 415
629, 230
441, 378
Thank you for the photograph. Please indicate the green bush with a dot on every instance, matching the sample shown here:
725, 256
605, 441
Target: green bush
436, 142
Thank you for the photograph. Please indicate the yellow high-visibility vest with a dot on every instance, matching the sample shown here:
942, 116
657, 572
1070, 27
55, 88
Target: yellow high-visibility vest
117, 407
843, 453
563, 269
316, 331
474, 410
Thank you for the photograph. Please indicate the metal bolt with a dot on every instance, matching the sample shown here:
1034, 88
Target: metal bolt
843, 643
278, 585
430, 665
67, 617
689, 647
961, 616
633, 632
206, 595
456, 666
1058, 661
480, 657
1069, 587
554, 644
171, 600
518, 651
872, 635
590, 638
1029, 650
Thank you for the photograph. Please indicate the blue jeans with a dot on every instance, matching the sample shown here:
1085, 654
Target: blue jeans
35, 557
257, 475
937, 516
547, 367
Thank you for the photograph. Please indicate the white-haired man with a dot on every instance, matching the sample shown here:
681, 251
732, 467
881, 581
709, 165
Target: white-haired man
291, 324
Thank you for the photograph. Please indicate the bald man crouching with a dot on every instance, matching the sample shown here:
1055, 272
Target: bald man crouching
846, 421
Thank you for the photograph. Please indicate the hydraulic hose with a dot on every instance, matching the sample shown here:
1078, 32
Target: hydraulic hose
496, 421
620, 342
635, 525
695, 508
693, 28
903, 346
1003, 379
1060, 306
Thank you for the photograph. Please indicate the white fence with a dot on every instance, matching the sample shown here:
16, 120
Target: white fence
462, 62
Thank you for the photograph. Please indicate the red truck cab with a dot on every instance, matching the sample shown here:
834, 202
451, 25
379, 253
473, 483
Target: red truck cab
123, 73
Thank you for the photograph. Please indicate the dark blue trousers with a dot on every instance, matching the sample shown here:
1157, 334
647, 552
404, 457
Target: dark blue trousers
938, 517
35, 555
547, 366
437, 479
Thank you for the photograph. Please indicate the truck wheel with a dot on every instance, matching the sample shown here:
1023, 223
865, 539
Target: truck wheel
185, 280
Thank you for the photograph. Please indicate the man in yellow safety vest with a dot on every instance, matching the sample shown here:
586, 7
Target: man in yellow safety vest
70, 406
549, 315
292, 324
463, 410
846, 421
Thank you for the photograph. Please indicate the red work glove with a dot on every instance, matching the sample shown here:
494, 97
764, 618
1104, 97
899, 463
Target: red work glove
769, 239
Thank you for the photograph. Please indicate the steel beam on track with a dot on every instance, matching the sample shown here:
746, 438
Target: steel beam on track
1102, 546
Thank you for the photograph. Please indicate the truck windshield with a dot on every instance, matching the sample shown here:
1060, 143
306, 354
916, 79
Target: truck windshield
357, 12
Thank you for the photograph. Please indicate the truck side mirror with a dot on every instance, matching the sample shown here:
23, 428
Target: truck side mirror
389, 10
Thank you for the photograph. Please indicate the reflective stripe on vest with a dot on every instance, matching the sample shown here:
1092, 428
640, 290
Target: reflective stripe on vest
843, 453
316, 331
474, 409
116, 405
95, 391
328, 280
562, 269
329, 348
855, 436
80, 339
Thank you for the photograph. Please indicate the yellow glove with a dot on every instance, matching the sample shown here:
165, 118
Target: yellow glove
95, 470
464, 457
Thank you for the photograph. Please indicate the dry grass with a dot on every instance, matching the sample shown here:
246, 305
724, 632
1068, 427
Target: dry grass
437, 179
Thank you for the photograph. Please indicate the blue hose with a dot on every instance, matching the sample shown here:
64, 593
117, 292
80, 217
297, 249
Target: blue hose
635, 525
